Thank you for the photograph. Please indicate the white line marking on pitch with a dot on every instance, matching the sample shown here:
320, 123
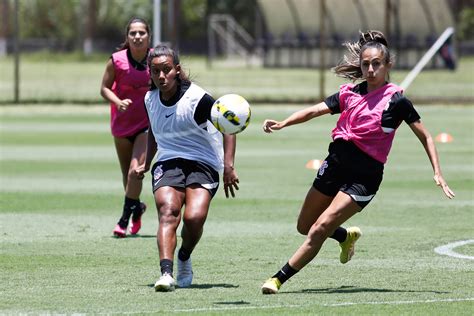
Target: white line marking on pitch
447, 250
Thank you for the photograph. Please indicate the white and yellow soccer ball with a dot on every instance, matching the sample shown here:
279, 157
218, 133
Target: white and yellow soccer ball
231, 114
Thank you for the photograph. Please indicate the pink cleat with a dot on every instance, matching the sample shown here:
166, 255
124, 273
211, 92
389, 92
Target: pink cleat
120, 232
137, 222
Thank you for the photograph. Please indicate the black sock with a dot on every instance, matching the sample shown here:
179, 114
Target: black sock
133, 205
285, 273
129, 206
127, 212
183, 254
166, 266
340, 234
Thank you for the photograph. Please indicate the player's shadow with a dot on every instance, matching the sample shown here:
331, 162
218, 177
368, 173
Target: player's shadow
207, 286
141, 236
134, 236
354, 289
232, 303
211, 286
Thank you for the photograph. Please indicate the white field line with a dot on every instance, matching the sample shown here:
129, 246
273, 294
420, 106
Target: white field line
447, 250
217, 309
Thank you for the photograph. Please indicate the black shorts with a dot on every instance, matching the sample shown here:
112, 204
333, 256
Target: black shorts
132, 138
350, 170
181, 173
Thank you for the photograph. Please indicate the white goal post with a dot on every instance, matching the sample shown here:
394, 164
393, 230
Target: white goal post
426, 58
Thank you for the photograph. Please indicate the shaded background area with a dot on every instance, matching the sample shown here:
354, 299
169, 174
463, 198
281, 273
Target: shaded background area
266, 50
65, 25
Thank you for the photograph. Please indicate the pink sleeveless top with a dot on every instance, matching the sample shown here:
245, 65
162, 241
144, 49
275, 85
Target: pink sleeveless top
361, 120
132, 84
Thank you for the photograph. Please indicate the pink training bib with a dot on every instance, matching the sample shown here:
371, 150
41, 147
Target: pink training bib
132, 84
361, 120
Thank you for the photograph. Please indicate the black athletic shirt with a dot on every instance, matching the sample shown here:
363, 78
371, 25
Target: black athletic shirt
203, 109
135, 64
399, 109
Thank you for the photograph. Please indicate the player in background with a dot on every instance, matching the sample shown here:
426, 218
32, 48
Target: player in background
191, 153
124, 84
348, 179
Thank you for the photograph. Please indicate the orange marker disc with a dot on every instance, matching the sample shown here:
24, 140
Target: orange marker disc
444, 138
313, 164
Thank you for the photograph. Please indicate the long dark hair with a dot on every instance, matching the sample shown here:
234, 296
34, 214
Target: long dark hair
163, 50
349, 67
125, 44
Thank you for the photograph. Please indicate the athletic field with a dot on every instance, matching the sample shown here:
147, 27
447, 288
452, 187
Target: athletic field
61, 195
63, 78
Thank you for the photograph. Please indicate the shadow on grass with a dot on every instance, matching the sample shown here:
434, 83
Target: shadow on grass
210, 286
141, 236
134, 236
353, 289
206, 286
232, 303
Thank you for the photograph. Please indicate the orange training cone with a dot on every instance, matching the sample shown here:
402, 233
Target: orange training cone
444, 138
313, 164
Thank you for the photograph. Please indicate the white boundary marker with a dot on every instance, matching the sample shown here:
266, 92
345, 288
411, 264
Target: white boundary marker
447, 250
426, 57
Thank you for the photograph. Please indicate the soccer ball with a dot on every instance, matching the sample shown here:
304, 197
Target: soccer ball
230, 114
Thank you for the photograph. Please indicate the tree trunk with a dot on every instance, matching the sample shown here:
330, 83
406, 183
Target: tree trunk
91, 23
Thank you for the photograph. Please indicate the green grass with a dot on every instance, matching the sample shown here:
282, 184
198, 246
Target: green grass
61, 194
56, 78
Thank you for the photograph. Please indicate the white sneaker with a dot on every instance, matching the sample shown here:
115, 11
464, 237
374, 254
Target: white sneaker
185, 273
165, 283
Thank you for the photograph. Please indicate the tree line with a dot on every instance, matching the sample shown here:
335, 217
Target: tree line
66, 25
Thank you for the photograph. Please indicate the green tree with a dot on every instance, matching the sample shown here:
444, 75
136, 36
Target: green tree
466, 24
49, 19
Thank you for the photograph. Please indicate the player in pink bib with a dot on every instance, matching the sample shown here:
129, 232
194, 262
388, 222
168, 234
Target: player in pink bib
125, 82
349, 177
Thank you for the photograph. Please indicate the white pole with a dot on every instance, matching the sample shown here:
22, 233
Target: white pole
156, 22
16, 51
426, 58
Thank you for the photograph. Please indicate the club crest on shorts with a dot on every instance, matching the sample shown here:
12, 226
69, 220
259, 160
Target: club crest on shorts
157, 174
323, 167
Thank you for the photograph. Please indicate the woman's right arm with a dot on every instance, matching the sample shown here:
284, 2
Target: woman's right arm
106, 88
298, 117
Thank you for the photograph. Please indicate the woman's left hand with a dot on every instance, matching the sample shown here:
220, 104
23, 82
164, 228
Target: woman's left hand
140, 171
439, 180
231, 181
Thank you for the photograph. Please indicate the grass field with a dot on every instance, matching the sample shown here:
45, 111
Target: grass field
61, 196
62, 79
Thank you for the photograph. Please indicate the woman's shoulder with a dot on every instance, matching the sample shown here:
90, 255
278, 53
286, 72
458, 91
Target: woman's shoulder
347, 86
119, 58
152, 94
197, 89
394, 87
120, 53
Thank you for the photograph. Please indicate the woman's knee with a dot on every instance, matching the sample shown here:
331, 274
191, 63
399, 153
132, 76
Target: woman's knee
167, 214
194, 220
303, 227
320, 230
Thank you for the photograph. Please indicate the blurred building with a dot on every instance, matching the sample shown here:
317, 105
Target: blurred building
294, 31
